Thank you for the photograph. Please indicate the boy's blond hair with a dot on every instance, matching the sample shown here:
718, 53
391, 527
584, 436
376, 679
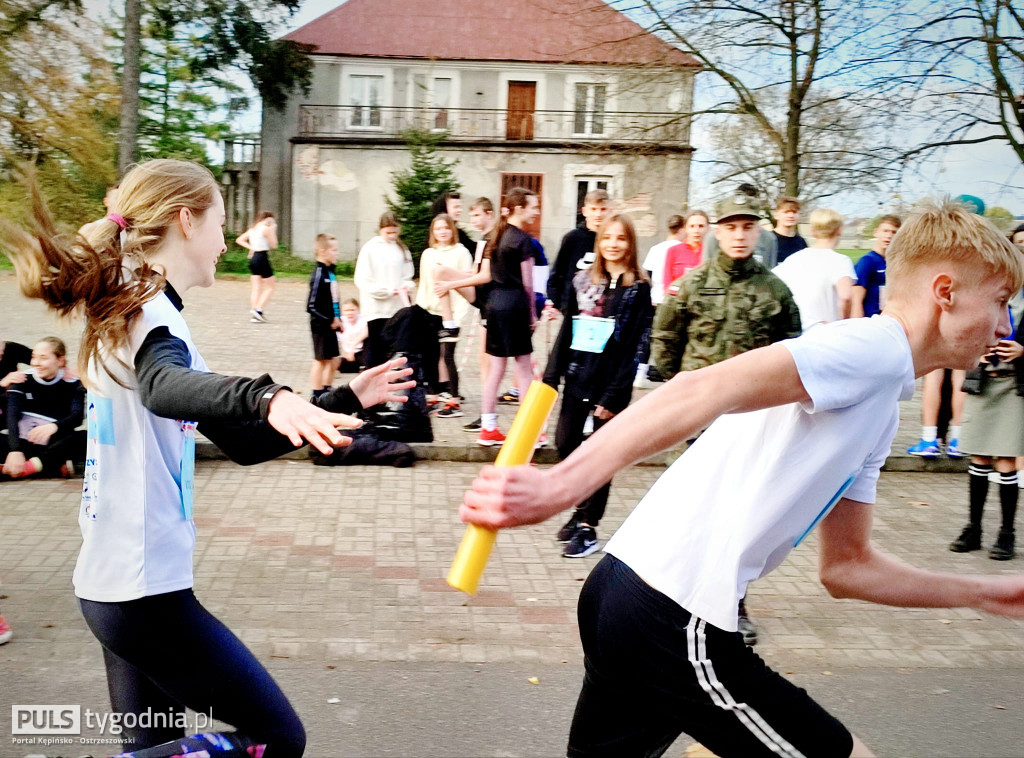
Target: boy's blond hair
945, 231
323, 241
825, 223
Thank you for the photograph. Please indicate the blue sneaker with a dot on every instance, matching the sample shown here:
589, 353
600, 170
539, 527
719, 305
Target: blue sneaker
953, 449
925, 449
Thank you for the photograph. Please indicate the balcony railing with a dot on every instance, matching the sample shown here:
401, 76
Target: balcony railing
468, 125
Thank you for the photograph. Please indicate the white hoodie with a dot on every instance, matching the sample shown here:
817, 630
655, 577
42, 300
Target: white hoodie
381, 268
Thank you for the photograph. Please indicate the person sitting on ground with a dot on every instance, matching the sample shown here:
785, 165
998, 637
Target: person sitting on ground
786, 215
13, 355
43, 411
820, 279
353, 334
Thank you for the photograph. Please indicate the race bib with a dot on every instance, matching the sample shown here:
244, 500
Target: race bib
188, 468
590, 334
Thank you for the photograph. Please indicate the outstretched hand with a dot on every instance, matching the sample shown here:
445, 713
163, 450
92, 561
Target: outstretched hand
299, 420
383, 383
513, 496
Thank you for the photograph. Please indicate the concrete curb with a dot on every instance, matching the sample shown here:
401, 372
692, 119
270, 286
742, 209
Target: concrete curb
438, 451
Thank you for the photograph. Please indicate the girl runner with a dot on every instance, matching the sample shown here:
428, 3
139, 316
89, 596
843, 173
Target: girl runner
148, 390
259, 240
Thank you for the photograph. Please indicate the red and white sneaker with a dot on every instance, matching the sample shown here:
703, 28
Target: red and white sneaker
541, 441
5, 631
490, 438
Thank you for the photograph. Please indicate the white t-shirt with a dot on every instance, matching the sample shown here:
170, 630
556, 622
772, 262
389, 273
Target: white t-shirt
755, 484
655, 263
135, 515
811, 275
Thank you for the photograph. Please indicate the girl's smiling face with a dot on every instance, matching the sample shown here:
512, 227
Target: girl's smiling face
614, 243
45, 361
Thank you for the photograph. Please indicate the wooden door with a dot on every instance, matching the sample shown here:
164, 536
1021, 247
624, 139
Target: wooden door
522, 100
533, 182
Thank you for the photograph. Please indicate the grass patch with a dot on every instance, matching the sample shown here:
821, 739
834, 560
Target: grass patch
854, 255
5, 263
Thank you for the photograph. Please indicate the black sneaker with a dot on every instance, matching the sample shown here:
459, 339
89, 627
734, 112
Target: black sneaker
508, 397
583, 543
566, 532
969, 539
473, 427
450, 410
1003, 550
747, 630
448, 334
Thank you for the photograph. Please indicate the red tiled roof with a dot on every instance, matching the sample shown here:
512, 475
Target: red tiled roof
535, 31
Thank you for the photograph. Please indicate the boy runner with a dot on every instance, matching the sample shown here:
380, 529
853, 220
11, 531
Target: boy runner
796, 435
869, 289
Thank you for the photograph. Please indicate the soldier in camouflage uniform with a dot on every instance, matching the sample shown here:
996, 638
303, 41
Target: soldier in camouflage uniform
728, 305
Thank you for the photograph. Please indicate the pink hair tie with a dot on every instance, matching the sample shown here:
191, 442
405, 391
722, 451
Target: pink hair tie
118, 219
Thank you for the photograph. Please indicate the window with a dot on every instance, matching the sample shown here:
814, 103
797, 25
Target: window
365, 96
442, 97
590, 103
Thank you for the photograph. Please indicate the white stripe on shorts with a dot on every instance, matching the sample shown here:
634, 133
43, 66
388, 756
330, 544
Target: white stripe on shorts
696, 644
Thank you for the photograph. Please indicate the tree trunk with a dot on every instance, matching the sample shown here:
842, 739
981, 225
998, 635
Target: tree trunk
129, 87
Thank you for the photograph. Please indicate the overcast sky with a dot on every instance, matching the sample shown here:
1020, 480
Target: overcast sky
989, 171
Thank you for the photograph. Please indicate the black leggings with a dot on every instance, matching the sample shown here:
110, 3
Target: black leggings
448, 356
166, 652
568, 437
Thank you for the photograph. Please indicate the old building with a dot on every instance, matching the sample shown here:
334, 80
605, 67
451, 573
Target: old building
560, 96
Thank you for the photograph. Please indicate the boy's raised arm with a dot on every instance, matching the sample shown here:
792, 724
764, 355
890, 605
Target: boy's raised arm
672, 414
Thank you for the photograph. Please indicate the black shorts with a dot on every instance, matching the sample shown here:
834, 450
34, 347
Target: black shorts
259, 264
654, 671
325, 344
508, 324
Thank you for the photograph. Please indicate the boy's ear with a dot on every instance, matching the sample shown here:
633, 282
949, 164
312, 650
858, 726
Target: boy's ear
943, 288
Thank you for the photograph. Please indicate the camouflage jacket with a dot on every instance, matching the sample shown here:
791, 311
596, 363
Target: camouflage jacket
722, 308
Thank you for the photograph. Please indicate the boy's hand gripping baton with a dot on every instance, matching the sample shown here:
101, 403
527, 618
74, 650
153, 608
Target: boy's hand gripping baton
518, 449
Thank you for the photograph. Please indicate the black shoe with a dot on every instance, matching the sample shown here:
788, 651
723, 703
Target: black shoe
474, 427
583, 542
448, 334
1003, 550
508, 397
566, 532
969, 539
747, 630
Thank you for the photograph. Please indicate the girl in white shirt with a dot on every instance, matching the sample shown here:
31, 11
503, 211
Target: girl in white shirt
149, 390
384, 272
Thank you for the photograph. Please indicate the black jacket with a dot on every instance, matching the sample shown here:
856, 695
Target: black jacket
575, 245
606, 378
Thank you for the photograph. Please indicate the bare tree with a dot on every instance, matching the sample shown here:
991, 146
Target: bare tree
787, 85
964, 71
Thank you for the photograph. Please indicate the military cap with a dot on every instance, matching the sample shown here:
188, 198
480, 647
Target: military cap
737, 206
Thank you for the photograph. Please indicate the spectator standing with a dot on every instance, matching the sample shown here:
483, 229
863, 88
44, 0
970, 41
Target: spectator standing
728, 305
869, 286
384, 268
597, 352
654, 263
993, 435
324, 315
684, 257
508, 265
444, 250
766, 247
577, 245
259, 240
451, 203
787, 239
820, 279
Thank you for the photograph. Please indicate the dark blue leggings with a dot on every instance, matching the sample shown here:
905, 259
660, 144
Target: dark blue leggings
166, 652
